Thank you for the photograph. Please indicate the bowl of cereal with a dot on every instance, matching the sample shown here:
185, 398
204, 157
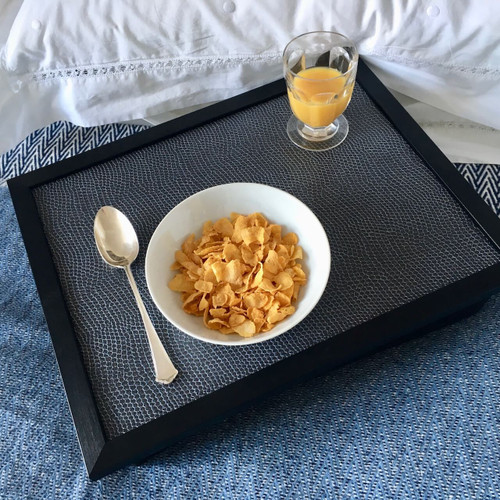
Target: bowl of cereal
238, 263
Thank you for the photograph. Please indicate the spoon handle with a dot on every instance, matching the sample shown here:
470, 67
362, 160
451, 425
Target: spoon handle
164, 369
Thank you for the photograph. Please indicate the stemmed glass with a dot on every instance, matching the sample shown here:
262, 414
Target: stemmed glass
320, 72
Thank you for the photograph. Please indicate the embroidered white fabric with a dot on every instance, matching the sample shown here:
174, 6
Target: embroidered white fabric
93, 63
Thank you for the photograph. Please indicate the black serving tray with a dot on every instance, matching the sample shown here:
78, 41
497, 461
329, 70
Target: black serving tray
413, 247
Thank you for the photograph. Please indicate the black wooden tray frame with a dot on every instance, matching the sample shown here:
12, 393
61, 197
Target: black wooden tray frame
103, 456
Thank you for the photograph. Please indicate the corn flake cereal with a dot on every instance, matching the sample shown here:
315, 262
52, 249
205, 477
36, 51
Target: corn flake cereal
243, 276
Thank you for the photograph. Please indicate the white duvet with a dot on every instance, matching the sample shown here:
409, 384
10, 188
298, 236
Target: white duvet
93, 62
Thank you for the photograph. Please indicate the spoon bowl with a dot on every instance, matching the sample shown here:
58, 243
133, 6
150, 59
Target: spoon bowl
118, 245
115, 237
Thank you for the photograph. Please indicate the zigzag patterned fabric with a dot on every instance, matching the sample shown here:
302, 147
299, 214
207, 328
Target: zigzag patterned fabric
486, 180
418, 421
59, 141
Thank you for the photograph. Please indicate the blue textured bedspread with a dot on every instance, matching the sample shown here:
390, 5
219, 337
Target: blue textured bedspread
418, 421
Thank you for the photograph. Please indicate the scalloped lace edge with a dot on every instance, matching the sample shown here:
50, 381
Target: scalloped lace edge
151, 65
416, 62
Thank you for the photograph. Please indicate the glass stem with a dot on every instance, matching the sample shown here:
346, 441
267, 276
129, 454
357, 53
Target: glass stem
317, 133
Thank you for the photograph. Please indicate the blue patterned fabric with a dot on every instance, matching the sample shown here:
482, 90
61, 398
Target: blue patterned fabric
418, 421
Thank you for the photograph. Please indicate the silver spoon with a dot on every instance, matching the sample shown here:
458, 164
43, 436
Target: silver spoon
118, 245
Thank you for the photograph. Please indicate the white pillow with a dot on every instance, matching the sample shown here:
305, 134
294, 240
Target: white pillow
100, 62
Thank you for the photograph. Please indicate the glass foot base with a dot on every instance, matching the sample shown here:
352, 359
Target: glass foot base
317, 139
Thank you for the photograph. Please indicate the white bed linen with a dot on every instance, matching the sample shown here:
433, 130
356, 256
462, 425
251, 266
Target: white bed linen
95, 62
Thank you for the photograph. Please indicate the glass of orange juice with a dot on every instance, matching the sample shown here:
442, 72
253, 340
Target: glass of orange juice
320, 71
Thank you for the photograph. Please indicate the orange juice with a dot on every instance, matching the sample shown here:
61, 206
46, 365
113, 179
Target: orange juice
319, 95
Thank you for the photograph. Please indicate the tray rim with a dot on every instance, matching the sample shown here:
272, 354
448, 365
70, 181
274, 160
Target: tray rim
103, 456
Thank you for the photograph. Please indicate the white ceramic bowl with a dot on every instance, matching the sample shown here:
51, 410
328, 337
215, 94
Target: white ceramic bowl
188, 217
